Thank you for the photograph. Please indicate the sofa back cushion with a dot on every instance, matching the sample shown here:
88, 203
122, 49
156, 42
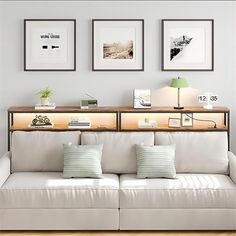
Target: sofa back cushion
119, 153
197, 152
40, 150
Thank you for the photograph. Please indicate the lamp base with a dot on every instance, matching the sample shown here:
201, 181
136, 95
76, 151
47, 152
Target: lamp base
178, 107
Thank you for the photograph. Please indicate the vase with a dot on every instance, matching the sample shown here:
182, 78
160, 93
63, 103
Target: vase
45, 101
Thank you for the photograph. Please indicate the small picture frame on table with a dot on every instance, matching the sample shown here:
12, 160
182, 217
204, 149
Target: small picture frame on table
187, 119
142, 98
174, 123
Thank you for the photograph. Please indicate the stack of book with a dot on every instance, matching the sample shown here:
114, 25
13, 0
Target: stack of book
45, 107
79, 123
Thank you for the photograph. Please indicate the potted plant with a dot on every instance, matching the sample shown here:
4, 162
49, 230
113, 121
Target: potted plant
45, 95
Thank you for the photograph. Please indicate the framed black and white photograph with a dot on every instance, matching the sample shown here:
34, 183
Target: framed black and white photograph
188, 45
174, 123
142, 98
49, 45
118, 45
187, 119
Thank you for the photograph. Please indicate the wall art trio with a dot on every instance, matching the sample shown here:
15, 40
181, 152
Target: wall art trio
118, 45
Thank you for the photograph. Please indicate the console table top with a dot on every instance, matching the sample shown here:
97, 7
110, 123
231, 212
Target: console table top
189, 109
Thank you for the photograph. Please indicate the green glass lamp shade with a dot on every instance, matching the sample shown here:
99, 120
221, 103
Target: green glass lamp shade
179, 83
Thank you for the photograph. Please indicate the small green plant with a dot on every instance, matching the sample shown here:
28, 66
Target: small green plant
45, 93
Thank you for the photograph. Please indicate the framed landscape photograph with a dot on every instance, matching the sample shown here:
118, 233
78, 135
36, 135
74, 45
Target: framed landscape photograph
118, 45
49, 45
142, 98
188, 45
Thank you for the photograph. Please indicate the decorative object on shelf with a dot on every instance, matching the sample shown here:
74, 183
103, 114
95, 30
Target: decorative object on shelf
187, 45
118, 44
208, 98
147, 124
202, 120
50, 45
45, 95
179, 83
142, 98
50, 106
174, 123
88, 102
77, 123
41, 122
187, 119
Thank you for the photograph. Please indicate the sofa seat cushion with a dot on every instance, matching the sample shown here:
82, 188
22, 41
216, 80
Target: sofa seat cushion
50, 190
190, 191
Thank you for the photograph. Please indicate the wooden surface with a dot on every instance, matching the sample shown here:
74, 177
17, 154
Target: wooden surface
61, 127
120, 233
166, 128
30, 109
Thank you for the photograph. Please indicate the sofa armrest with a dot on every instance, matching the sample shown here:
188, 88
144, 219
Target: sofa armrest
232, 166
4, 168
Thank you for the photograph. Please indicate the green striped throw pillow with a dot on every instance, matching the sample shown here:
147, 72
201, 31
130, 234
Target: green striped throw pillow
156, 161
82, 161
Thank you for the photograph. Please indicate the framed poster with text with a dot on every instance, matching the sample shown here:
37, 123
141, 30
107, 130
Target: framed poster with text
49, 45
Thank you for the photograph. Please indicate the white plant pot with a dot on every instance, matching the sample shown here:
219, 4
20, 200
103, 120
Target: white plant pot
45, 101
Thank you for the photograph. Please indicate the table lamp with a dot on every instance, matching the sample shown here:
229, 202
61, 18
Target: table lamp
179, 83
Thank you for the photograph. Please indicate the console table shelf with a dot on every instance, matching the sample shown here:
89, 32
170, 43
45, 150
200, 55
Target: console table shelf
166, 128
59, 127
117, 118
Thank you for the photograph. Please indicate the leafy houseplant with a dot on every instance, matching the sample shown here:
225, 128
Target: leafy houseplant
45, 95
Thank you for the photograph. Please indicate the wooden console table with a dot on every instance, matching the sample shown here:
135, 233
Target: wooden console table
118, 119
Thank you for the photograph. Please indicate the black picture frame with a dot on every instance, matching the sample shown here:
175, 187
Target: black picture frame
26, 43
211, 55
94, 67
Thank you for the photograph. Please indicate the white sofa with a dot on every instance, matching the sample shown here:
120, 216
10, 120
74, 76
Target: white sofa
34, 196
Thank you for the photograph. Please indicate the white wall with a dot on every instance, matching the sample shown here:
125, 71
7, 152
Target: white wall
113, 88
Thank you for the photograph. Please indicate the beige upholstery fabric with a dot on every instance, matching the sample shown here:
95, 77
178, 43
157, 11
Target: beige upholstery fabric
188, 191
197, 152
178, 219
45, 190
4, 168
119, 154
59, 219
40, 150
232, 166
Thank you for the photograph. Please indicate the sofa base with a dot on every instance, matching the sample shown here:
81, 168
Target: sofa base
108, 219
59, 219
178, 219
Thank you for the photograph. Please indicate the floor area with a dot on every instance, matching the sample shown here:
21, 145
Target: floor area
120, 233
